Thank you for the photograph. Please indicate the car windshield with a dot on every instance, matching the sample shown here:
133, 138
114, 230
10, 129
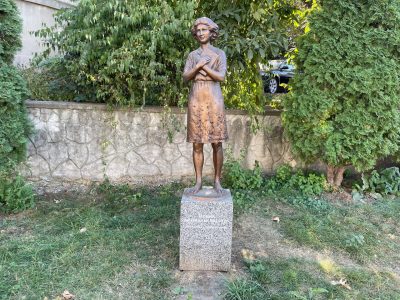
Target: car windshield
286, 67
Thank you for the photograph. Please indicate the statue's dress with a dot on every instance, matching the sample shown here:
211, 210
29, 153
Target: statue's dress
206, 122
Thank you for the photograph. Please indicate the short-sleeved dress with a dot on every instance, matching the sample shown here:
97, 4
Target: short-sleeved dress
206, 122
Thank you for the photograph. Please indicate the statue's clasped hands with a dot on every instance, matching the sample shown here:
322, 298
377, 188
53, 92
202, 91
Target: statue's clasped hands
207, 58
203, 61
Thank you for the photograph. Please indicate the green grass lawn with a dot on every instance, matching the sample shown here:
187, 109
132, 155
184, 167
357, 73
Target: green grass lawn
368, 234
97, 245
115, 242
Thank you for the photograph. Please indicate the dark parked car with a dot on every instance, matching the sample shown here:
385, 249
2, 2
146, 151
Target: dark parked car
274, 77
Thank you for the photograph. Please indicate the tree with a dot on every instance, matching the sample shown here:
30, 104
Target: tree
132, 52
251, 33
10, 29
343, 107
14, 124
126, 52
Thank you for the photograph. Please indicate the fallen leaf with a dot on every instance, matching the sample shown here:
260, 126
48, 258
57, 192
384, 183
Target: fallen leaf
83, 230
248, 254
342, 282
67, 295
328, 266
276, 219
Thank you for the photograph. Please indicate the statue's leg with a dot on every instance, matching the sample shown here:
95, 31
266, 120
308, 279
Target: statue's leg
198, 161
218, 159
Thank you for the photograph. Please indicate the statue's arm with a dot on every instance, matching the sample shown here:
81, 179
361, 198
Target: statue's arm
216, 75
190, 71
219, 74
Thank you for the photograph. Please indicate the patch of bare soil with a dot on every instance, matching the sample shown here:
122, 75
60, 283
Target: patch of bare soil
259, 237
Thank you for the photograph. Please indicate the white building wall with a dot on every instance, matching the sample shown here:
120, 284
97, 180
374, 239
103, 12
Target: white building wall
35, 14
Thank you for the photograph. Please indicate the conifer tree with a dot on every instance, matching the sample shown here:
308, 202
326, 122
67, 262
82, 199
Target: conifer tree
344, 105
14, 125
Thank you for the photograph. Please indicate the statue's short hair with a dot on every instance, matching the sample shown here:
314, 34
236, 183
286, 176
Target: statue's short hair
212, 26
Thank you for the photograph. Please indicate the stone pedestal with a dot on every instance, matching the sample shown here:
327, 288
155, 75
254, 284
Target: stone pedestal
206, 230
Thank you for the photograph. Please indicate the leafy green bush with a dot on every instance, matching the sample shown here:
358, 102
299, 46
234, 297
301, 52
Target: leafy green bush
237, 177
129, 52
15, 195
133, 52
10, 29
243, 199
49, 79
299, 189
286, 179
385, 182
245, 183
343, 107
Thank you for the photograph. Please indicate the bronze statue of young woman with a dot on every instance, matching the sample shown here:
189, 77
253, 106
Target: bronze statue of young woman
206, 121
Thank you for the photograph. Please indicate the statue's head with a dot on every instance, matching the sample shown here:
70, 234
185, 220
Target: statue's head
211, 26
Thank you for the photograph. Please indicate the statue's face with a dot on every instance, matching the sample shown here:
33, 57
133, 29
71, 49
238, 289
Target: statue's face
203, 33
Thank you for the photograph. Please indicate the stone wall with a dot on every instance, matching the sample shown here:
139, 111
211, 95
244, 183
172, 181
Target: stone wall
88, 142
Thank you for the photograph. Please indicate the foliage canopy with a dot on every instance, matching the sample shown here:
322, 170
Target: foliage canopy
125, 52
14, 127
10, 29
14, 124
132, 52
343, 108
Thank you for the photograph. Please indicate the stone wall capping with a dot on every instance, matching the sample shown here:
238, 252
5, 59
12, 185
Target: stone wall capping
269, 111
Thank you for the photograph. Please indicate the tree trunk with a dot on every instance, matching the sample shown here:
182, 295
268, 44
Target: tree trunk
339, 176
330, 175
334, 175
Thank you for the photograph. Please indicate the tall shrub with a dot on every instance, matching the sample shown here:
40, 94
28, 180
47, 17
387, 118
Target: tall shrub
344, 105
14, 124
251, 33
132, 52
10, 29
128, 52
